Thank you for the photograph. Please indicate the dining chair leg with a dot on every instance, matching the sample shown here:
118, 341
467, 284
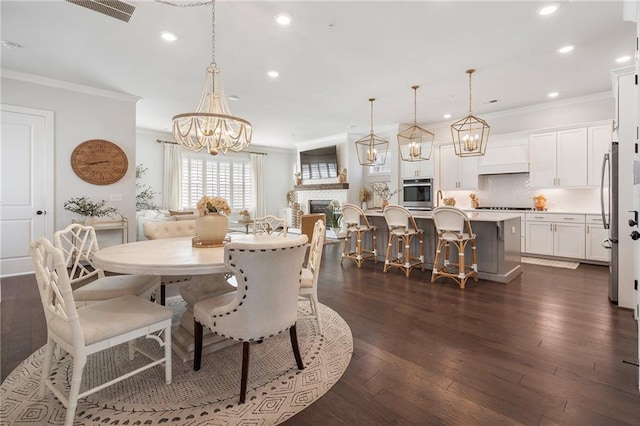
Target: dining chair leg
345, 246
375, 246
46, 368
245, 371
74, 390
294, 345
197, 340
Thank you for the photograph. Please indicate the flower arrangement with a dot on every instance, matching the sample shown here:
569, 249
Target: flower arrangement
333, 214
383, 191
84, 206
213, 205
364, 195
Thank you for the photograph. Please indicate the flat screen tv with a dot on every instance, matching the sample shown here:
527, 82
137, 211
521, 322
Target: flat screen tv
320, 163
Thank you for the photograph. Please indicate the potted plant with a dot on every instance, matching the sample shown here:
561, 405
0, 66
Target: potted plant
383, 191
364, 196
88, 209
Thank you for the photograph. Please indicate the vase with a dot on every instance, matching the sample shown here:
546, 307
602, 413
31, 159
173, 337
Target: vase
364, 206
211, 228
385, 203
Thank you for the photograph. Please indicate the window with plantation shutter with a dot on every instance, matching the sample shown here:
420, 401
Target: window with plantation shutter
225, 177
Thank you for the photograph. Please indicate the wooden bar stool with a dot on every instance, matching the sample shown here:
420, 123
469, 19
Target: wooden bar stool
358, 225
453, 228
402, 229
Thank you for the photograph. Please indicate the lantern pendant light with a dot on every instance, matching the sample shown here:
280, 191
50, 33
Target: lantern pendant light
470, 134
372, 149
415, 143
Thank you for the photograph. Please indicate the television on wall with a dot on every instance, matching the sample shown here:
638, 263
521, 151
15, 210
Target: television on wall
319, 163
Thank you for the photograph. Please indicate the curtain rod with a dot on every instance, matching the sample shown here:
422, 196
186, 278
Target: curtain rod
176, 143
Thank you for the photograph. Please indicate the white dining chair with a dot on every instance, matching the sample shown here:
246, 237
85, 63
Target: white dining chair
265, 304
358, 226
82, 331
270, 225
78, 244
402, 230
311, 272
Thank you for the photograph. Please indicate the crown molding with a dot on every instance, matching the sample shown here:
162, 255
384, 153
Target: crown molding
60, 84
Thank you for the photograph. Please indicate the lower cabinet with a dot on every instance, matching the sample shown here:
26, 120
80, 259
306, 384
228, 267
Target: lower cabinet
595, 234
559, 235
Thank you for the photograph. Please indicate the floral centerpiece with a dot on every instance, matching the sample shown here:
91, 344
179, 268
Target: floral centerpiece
213, 205
212, 224
382, 190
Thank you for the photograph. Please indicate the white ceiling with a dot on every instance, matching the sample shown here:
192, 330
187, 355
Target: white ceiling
332, 58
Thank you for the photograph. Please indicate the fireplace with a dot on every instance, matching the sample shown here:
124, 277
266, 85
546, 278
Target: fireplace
318, 206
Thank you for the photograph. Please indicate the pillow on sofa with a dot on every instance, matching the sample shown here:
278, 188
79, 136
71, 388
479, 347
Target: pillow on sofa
179, 213
188, 216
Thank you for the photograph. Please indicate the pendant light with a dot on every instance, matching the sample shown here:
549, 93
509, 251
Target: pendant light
415, 143
372, 149
211, 126
470, 134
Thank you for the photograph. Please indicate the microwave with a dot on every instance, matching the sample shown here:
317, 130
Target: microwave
417, 194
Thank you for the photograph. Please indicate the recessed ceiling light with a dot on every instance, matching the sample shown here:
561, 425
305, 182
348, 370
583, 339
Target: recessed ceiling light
447, 116
623, 59
548, 9
553, 94
283, 19
10, 44
234, 97
168, 36
273, 74
566, 49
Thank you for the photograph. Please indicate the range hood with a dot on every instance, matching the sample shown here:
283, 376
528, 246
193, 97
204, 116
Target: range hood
504, 159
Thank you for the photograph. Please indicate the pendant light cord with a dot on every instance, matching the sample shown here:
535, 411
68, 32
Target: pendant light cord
371, 100
470, 110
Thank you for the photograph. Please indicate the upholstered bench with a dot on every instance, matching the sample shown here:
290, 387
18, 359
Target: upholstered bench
169, 229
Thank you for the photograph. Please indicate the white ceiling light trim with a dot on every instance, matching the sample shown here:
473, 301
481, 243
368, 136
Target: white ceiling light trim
168, 36
623, 59
283, 19
548, 9
273, 74
566, 49
553, 94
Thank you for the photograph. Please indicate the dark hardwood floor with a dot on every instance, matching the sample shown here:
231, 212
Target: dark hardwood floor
545, 349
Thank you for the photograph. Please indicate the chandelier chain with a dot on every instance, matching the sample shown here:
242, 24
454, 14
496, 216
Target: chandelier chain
371, 100
470, 110
415, 104
213, 21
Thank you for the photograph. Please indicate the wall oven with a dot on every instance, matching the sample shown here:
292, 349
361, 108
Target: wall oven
417, 194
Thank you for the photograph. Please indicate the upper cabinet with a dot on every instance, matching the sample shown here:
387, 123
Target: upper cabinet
457, 172
412, 169
569, 158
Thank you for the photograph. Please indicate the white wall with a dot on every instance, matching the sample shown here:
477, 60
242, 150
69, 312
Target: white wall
278, 170
80, 114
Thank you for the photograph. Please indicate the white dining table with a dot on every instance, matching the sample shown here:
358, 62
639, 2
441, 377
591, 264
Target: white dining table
177, 256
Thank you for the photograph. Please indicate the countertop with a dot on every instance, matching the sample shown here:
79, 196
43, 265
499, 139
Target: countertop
474, 216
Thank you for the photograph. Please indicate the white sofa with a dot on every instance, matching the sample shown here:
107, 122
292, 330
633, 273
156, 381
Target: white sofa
155, 216
169, 229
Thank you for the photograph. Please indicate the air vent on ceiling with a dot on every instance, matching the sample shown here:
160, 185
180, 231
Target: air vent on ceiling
114, 8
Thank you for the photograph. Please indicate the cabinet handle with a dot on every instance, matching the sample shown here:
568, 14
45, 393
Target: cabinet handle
538, 217
569, 218
587, 229
551, 227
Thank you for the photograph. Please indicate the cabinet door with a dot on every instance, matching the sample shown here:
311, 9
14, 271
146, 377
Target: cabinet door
593, 245
448, 168
598, 142
542, 160
425, 168
568, 240
571, 158
410, 168
468, 173
539, 238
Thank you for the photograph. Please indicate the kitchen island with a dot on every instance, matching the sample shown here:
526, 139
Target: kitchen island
497, 242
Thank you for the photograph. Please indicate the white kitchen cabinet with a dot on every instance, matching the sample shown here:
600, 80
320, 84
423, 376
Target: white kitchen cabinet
595, 234
553, 234
423, 169
598, 143
558, 159
457, 173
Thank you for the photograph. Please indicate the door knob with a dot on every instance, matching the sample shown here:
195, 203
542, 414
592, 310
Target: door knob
632, 222
635, 235
39, 212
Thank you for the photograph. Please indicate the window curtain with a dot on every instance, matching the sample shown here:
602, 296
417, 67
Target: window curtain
172, 177
257, 177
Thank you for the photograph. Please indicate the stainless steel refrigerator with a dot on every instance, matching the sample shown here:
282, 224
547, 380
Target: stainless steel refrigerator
609, 207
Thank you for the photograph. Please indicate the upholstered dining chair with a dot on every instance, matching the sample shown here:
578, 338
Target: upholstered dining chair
311, 272
270, 225
402, 230
454, 229
265, 304
93, 328
78, 244
358, 225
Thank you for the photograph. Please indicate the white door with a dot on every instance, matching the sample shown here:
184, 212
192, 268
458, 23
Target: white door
468, 173
571, 158
568, 240
542, 160
539, 237
599, 141
26, 200
448, 168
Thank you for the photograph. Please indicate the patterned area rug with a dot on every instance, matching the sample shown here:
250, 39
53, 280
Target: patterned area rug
276, 390
550, 262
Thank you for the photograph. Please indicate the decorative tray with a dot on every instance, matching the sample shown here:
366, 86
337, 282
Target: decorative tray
195, 242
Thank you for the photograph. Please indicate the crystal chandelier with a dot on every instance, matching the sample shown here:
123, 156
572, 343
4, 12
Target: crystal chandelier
211, 126
415, 143
470, 134
372, 149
